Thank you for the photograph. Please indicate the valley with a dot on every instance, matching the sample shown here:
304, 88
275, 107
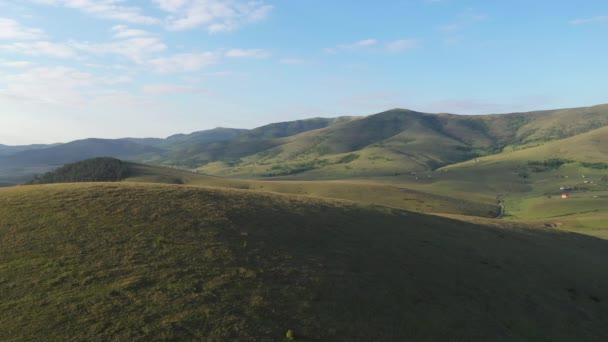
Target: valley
303, 171
394, 226
142, 261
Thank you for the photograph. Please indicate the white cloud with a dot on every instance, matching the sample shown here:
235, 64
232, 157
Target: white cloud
15, 64
135, 45
112, 67
357, 45
601, 18
12, 30
122, 32
214, 15
40, 48
107, 9
223, 74
172, 5
55, 85
394, 46
402, 44
247, 53
185, 62
136, 49
166, 89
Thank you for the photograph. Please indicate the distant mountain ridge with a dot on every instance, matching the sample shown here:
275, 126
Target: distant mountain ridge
78, 150
402, 141
387, 143
8, 150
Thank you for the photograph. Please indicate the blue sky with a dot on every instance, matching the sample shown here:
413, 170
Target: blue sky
72, 69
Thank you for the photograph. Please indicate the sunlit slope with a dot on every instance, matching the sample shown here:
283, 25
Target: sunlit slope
366, 192
534, 190
589, 147
142, 262
192, 151
522, 171
400, 141
386, 144
562, 123
393, 142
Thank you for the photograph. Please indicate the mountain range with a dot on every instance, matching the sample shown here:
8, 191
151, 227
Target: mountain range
395, 226
390, 143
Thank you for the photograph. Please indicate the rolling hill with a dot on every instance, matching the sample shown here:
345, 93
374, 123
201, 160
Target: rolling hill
533, 178
326, 235
125, 261
9, 150
244, 143
393, 143
402, 141
384, 144
18, 163
366, 192
588, 147
77, 150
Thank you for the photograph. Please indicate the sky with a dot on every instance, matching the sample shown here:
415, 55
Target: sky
72, 69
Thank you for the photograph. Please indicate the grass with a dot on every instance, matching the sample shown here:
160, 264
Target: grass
127, 261
393, 194
317, 247
535, 199
471, 191
399, 141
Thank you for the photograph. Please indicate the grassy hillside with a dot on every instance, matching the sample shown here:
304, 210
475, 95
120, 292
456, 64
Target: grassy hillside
401, 141
366, 192
244, 144
201, 137
532, 178
563, 123
391, 143
147, 262
590, 147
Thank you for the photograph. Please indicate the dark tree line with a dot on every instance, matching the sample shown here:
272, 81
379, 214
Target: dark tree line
102, 169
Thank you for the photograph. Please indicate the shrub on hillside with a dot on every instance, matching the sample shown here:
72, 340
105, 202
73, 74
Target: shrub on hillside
92, 170
599, 166
546, 165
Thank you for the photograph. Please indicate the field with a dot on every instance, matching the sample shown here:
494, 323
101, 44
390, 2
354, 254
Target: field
532, 191
317, 235
390, 194
128, 261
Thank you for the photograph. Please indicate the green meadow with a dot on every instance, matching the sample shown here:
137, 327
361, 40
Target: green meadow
400, 226
141, 261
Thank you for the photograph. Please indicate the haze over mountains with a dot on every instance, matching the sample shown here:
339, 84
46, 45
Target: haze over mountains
384, 144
